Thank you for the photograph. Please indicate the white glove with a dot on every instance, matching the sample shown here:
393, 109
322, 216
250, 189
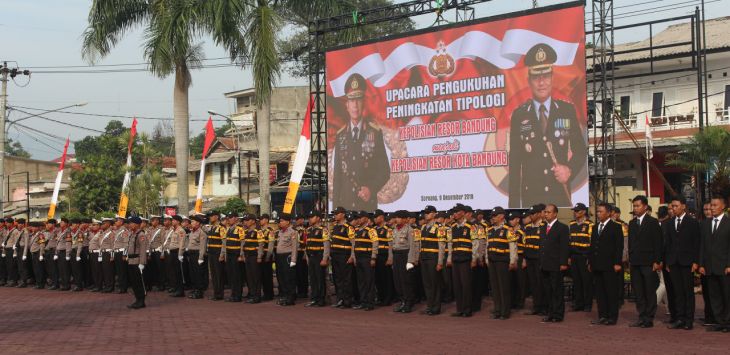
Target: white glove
78, 258
55, 257
292, 264
25, 257
409, 266
68, 258
200, 262
180, 258
3, 245
141, 267
98, 259
40, 257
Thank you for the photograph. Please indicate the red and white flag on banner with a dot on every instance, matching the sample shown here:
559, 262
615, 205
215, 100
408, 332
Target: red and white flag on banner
300, 161
209, 137
124, 199
57, 186
649, 140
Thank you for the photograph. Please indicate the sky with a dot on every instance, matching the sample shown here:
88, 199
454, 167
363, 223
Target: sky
47, 33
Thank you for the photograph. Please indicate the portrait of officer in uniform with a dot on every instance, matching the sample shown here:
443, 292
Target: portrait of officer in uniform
361, 165
547, 147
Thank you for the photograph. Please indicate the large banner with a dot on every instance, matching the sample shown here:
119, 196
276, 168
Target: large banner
487, 114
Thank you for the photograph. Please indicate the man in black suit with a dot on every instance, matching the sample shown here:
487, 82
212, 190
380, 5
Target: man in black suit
681, 255
645, 258
604, 261
554, 253
715, 262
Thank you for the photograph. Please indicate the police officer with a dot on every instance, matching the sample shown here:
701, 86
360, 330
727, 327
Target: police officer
107, 255
253, 253
11, 252
518, 275
174, 257
267, 264
343, 258
361, 166
287, 247
318, 252
543, 131
195, 251
405, 249
5, 226
478, 272
463, 253
383, 270
233, 258
95, 254
366, 253
76, 248
581, 229
50, 235
501, 258
432, 248
120, 235
19, 253
301, 268
136, 260
534, 233
36, 246
216, 232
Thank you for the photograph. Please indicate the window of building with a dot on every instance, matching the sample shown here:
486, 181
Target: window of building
222, 169
625, 107
657, 102
230, 173
727, 97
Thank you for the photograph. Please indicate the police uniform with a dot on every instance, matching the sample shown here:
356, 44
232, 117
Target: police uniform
11, 254
463, 247
36, 246
431, 251
155, 269
121, 242
534, 233
301, 269
360, 159
137, 245
318, 251
253, 253
23, 259
518, 275
501, 253
197, 243
173, 259
580, 245
341, 243
536, 126
77, 245
4, 234
383, 270
95, 258
267, 264
366, 254
216, 232
287, 248
50, 258
233, 242
107, 257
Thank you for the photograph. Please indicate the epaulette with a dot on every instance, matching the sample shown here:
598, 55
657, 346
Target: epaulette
374, 126
342, 129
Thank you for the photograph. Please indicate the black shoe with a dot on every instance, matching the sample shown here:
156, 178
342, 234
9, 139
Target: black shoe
368, 308
253, 301
22, 285
576, 309
178, 294
494, 316
547, 320
120, 292
647, 325
311, 304
77, 289
503, 318
53, 288
106, 291
709, 323
716, 328
38, 287
601, 321
339, 304
406, 309
532, 313
195, 296
11, 284
610, 322
457, 314
358, 306
637, 324
676, 325
133, 305
65, 288
466, 314
215, 298
687, 326
587, 309
233, 299
399, 307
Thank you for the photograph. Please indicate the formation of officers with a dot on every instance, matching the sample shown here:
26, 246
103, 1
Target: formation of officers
378, 259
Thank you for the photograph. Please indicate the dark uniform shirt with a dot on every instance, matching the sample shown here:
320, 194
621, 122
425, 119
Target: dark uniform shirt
341, 238
580, 237
533, 234
530, 177
359, 162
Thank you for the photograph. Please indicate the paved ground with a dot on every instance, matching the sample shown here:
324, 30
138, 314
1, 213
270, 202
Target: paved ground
35, 321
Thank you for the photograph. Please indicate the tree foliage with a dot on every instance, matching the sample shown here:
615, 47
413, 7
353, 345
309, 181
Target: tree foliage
234, 204
14, 148
707, 152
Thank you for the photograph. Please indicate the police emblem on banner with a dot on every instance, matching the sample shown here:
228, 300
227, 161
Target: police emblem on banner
441, 64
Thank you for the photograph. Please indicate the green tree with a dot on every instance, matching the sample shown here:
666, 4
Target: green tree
96, 186
14, 148
172, 29
148, 184
234, 204
197, 142
707, 151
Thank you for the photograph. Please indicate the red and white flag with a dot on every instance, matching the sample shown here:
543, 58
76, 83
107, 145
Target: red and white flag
300, 161
124, 199
57, 186
209, 137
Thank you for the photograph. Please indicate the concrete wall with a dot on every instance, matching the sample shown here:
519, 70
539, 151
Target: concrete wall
288, 106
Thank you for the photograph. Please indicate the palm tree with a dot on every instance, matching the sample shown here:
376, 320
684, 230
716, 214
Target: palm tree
707, 152
264, 20
172, 29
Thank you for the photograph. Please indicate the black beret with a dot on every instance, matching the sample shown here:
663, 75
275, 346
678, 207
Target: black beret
177, 217
136, 219
339, 210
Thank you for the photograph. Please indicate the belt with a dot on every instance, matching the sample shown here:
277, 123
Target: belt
133, 256
95, 251
120, 250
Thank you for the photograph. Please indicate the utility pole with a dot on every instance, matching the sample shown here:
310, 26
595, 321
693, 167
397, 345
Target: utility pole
4, 73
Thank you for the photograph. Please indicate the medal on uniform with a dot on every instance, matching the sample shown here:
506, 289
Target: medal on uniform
532, 134
528, 147
557, 133
561, 141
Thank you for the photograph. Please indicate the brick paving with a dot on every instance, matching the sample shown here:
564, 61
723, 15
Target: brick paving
41, 321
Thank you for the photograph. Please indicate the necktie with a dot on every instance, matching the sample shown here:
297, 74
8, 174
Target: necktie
355, 133
714, 225
600, 228
543, 118
548, 228
679, 221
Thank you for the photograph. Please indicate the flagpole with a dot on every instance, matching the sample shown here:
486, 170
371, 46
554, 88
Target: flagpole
124, 198
209, 137
57, 185
648, 172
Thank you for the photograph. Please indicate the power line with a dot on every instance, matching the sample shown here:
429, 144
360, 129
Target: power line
53, 136
60, 122
35, 138
679, 103
117, 116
